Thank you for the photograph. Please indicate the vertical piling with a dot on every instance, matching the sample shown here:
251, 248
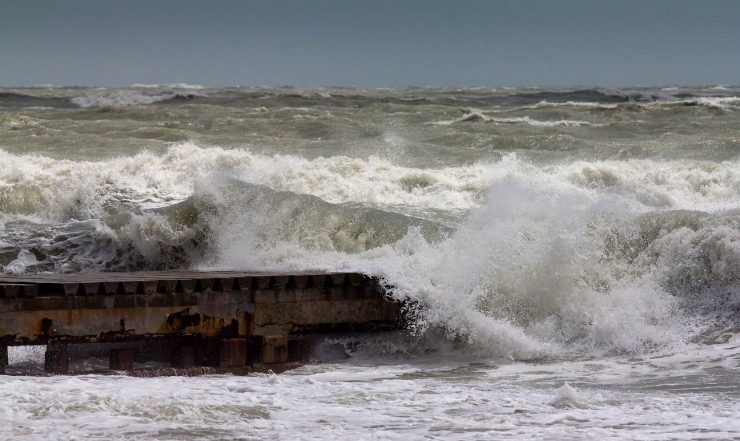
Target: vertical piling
56, 359
122, 359
3, 359
183, 353
299, 349
233, 352
275, 349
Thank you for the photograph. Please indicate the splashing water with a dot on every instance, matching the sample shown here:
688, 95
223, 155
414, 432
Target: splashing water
571, 257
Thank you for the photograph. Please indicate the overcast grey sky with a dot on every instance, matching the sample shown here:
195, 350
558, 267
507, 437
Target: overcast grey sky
370, 43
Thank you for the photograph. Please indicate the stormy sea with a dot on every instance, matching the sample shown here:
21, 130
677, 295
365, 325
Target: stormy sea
574, 254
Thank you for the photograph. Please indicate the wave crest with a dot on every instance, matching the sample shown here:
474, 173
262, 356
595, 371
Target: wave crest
117, 98
475, 115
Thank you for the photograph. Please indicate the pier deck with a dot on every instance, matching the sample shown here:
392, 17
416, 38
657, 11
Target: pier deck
216, 319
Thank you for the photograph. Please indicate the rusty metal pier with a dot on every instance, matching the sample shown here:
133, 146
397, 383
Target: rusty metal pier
221, 320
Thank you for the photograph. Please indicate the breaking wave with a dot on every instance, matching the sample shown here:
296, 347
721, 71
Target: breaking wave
727, 102
581, 257
532, 271
115, 98
717, 102
168, 86
475, 115
56, 190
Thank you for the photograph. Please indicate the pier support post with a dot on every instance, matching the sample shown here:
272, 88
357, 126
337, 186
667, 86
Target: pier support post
56, 359
233, 352
191, 351
275, 349
299, 349
122, 359
183, 355
207, 351
3, 359
255, 345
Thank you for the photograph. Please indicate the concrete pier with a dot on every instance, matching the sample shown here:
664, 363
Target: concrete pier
225, 320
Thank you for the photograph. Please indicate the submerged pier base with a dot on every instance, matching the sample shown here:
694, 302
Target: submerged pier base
122, 359
3, 358
56, 358
218, 320
233, 352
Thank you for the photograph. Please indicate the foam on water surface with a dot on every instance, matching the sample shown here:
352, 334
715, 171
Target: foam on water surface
417, 399
536, 261
574, 254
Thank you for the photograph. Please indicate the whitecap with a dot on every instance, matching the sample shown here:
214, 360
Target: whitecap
125, 98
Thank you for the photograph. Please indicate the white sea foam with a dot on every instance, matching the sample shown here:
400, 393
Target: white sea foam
567, 397
523, 275
545, 103
84, 187
124, 97
724, 102
438, 396
617, 279
169, 86
60, 189
25, 260
730, 102
475, 115
538, 123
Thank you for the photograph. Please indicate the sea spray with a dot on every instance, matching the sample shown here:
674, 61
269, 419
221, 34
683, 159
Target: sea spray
525, 276
576, 222
534, 269
592, 233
